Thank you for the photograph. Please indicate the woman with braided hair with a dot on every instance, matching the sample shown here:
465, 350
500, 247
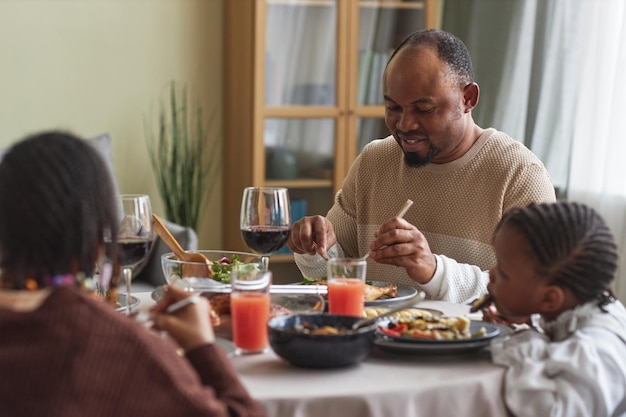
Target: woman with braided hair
558, 261
62, 351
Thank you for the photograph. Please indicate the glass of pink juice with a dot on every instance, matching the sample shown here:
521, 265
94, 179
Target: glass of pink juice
250, 311
346, 286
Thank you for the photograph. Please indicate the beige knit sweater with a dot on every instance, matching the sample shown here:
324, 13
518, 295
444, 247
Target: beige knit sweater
457, 206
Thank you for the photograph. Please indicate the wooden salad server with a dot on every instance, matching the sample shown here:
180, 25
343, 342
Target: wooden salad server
196, 264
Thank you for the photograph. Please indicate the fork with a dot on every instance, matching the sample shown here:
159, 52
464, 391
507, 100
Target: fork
147, 320
315, 245
407, 205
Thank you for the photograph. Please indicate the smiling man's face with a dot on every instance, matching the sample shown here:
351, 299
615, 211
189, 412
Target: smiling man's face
425, 108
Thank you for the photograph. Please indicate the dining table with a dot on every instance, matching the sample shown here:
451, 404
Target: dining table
385, 384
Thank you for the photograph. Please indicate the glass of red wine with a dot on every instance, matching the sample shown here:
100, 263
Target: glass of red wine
265, 221
134, 237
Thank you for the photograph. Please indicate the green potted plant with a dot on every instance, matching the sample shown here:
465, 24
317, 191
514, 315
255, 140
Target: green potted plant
185, 159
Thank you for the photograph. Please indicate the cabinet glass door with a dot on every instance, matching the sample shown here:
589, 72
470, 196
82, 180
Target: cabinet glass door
300, 60
382, 26
369, 129
302, 149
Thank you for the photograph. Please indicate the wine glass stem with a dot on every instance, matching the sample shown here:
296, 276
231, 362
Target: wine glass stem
265, 262
128, 277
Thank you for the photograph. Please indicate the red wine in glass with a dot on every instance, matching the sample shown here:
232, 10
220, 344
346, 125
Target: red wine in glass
132, 250
265, 239
265, 221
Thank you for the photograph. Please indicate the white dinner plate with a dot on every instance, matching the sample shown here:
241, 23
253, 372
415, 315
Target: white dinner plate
404, 293
441, 347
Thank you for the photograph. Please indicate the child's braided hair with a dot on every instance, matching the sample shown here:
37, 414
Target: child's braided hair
572, 245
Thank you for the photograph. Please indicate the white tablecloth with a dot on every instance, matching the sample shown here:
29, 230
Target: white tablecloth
383, 385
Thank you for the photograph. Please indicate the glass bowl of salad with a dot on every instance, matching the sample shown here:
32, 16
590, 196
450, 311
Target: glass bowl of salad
216, 272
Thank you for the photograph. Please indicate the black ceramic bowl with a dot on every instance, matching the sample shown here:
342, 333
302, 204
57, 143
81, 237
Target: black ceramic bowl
319, 351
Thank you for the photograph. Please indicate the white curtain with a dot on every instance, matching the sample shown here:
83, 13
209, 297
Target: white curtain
297, 74
597, 163
552, 75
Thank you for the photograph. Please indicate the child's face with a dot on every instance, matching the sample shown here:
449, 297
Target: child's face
514, 284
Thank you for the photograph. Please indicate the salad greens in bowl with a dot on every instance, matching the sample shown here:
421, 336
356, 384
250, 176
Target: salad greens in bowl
218, 268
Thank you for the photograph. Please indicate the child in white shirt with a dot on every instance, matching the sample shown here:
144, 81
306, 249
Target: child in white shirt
558, 260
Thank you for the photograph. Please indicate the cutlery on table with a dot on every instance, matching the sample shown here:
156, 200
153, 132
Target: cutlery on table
147, 320
274, 289
323, 255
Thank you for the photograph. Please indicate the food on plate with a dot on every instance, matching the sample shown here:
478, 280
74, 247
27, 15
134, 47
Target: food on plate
372, 292
435, 328
220, 304
309, 328
215, 318
278, 310
481, 303
371, 312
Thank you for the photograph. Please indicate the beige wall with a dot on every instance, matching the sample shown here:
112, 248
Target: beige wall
95, 66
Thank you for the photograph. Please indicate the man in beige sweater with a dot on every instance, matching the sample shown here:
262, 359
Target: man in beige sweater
461, 177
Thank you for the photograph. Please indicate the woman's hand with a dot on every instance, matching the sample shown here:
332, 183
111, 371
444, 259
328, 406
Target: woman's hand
190, 326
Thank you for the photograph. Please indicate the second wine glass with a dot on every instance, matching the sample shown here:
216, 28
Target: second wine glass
134, 236
265, 221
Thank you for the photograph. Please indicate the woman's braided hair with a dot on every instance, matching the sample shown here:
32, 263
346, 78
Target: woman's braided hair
57, 206
572, 245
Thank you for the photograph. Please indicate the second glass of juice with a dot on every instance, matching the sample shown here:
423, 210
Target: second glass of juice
346, 286
250, 310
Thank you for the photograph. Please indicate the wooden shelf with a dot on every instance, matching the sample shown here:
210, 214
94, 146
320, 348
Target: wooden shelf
396, 4
303, 183
370, 111
390, 4
302, 3
304, 112
281, 258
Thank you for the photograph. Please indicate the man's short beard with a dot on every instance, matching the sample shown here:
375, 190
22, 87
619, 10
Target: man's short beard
413, 159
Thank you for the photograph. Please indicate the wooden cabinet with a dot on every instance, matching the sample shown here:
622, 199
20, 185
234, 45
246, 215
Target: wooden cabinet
303, 95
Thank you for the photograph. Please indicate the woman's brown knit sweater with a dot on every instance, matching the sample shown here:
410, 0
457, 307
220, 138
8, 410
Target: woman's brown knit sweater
76, 356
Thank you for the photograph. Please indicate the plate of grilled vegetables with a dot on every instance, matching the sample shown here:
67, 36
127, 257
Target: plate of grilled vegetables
427, 333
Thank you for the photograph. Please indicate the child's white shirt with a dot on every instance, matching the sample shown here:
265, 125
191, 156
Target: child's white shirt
576, 368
